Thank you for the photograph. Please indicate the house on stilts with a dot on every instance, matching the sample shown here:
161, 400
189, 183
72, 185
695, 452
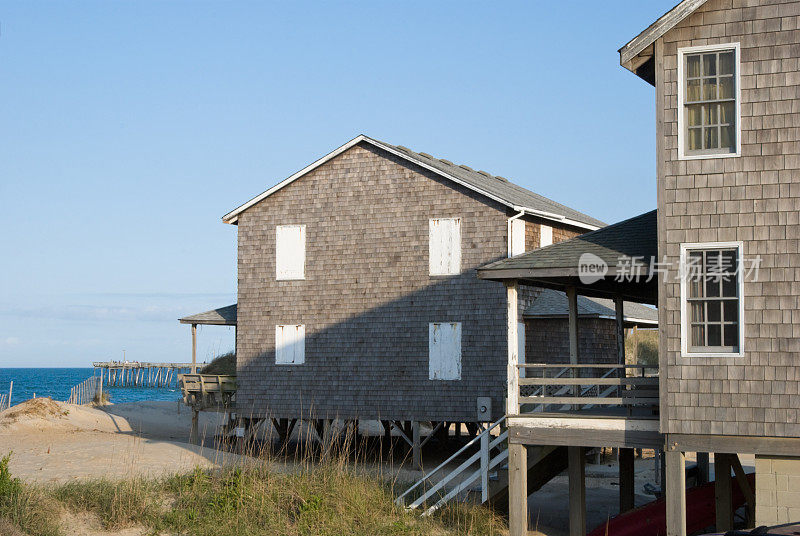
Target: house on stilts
358, 297
719, 257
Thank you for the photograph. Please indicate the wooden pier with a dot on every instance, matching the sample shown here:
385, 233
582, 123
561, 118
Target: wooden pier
141, 374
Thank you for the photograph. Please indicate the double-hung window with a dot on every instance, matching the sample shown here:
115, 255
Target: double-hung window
708, 101
711, 300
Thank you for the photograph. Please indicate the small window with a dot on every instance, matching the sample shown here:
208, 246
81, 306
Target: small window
290, 344
444, 351
709, 101
517, 237
290, 252
711, 290
444, 246
545, 235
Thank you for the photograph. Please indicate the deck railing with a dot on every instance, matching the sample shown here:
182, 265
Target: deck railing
597, 389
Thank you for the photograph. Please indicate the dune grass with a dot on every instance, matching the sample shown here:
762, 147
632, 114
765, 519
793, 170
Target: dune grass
224, 365
324, 497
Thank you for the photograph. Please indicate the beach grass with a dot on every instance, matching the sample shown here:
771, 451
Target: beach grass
325, 496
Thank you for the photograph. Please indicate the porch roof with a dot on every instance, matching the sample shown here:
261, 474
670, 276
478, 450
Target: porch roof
224, 316
557, 266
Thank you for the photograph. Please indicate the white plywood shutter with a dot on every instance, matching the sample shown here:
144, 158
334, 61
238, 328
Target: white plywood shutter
290, 252
290, 344
444, 246
521, 347
444, 351
545, 235
517, 237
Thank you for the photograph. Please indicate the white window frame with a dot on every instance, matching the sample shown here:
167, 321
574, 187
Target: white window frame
432, 370
542, 242
455, 267
685, 249
279, 275
301, 331
681, 112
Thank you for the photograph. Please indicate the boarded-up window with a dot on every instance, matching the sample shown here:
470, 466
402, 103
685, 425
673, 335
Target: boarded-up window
444, 351
545, 235
521, 347
444, 246
517, 237
290, 252
290, 344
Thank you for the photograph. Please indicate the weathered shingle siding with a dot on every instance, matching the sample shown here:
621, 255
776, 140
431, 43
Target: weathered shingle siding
547, 340
533, 232
754, 198
367, 297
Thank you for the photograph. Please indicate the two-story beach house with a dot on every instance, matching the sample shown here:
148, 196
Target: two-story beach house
720, 257
357, 288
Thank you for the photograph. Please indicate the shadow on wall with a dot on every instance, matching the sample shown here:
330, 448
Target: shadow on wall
375, 363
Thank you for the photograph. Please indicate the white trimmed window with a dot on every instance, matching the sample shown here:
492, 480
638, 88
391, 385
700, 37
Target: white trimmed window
517, 237
545, 235
444, 246
444, 351
290, 252
712, 308
709, 101
290, 344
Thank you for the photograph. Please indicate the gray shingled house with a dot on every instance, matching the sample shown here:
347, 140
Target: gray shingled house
357, 288
721, 259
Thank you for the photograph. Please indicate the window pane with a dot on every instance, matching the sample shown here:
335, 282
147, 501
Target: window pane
698, 336
728, 261
709, 89
714, 335
727, 138
714, 311
711, 114
726, 87
726, 61
712, 286
731, 310
695, 139
693, 90
693, 66
711, 138
697, 312
709, 64
727, 115
694, 115
729, 286
732, 335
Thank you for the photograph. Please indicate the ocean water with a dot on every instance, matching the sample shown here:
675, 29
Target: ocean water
56, 383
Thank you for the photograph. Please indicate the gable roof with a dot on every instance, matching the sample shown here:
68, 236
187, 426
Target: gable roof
629, 52
553, 304
496, 188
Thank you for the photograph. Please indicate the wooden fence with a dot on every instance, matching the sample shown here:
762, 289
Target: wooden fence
86, 392
5, 400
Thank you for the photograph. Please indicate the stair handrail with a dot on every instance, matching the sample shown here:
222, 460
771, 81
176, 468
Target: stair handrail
425, 477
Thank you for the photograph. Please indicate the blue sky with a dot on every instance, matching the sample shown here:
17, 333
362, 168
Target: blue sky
127, 129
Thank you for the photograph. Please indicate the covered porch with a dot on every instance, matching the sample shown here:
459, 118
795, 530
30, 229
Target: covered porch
580, 404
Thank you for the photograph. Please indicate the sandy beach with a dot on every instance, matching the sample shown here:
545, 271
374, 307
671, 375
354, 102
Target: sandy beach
54, 442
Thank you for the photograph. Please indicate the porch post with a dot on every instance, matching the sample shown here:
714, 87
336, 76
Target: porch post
194, 348
618, 306
576, 469
676, 492
517, 455
627, 473
572, 298
723, 492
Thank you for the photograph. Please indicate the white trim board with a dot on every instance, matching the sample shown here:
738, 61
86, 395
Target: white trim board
681, 112
233, 216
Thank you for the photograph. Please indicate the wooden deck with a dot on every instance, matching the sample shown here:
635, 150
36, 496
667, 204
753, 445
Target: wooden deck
208, 392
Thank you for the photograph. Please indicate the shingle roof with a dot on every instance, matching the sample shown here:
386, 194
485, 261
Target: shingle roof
553, 304
497, 188
635, 237
224, 316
